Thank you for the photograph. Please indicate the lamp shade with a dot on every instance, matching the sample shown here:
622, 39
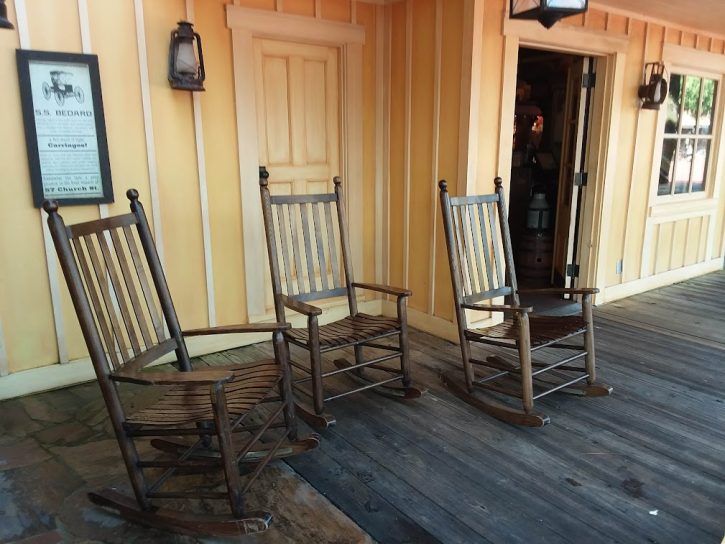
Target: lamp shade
4, 21
547, 12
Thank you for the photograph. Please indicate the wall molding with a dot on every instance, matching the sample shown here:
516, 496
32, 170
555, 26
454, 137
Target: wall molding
662, 279
149, 128
203, 193
435, 151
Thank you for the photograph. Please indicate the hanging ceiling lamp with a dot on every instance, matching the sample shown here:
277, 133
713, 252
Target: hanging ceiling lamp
547, 12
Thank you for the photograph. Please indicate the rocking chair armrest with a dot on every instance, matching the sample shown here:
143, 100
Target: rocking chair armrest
388, 290
242, 328
299, 306
562, 290
508, 308
194, 377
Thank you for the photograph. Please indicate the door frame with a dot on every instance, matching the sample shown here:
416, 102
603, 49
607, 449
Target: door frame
610, 51
247, 24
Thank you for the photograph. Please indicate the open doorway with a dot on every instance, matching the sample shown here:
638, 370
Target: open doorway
548, 174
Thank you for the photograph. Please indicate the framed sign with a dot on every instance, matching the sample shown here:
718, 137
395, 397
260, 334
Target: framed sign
65, 131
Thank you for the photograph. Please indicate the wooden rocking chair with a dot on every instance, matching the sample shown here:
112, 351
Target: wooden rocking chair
477, 273
112, 283
301, 229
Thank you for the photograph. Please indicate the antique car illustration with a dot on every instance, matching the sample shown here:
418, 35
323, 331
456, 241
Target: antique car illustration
60, 87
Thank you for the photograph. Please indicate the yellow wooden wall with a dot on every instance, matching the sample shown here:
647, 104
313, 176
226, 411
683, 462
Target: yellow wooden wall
666, 244
27, 323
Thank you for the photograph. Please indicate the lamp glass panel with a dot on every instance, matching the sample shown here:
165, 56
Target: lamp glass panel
709, 90
674, 101
667, 166
566, 4
521, 6
699, 165
684, 164
691, 103
185, 61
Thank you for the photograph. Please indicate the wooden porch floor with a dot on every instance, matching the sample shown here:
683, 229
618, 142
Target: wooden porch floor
644, 465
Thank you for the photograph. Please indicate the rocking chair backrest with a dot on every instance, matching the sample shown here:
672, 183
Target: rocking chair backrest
308, 245
118, 289
480, 258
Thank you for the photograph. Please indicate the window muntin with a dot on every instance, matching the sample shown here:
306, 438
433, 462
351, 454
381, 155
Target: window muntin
688, 134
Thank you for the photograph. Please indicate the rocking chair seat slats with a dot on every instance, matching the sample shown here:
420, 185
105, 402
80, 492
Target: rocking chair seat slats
543, 329
349, 330
191, 404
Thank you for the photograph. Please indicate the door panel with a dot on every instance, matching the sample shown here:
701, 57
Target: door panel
298, 120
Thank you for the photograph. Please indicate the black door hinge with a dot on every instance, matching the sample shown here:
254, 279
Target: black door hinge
589, 80
572, 270
581, 178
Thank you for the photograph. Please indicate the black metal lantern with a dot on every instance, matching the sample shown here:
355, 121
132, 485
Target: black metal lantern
4, 22
653, 91
547, 12
186, 60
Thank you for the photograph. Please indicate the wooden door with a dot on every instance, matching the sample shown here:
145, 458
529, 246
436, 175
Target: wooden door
572, 171
297, 88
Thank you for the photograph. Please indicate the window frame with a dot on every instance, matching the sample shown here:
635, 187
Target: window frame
715, 139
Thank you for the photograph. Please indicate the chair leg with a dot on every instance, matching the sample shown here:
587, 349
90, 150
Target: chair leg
404, 354
281, 351
318, 394
468, 371
527, 379
589, 359
231, 469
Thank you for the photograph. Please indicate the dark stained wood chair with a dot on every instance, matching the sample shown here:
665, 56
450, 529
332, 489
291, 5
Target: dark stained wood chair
482, 270
208, 421
309, 257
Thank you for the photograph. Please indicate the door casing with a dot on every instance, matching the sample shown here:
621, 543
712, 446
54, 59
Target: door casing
247, 24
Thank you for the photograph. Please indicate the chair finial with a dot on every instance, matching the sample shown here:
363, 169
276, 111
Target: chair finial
498, 182
50, 206
443, 186
132, 195
337, 180
263, 176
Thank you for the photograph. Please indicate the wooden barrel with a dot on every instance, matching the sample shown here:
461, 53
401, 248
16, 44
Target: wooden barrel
534, 255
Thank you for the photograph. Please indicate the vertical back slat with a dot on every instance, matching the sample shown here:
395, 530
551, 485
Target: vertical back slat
495, 242
320, 246
97, 306
131, 288
457, 227
486, 247
476, 239
145, 287
285, 249
306, 234
467, 246
296, 248
102, 279
334, 264
120, 296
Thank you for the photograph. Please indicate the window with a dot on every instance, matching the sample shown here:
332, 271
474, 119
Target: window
688, 137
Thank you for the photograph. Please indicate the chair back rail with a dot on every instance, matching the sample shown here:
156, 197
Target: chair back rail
118, 288
307, 244
479, 246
